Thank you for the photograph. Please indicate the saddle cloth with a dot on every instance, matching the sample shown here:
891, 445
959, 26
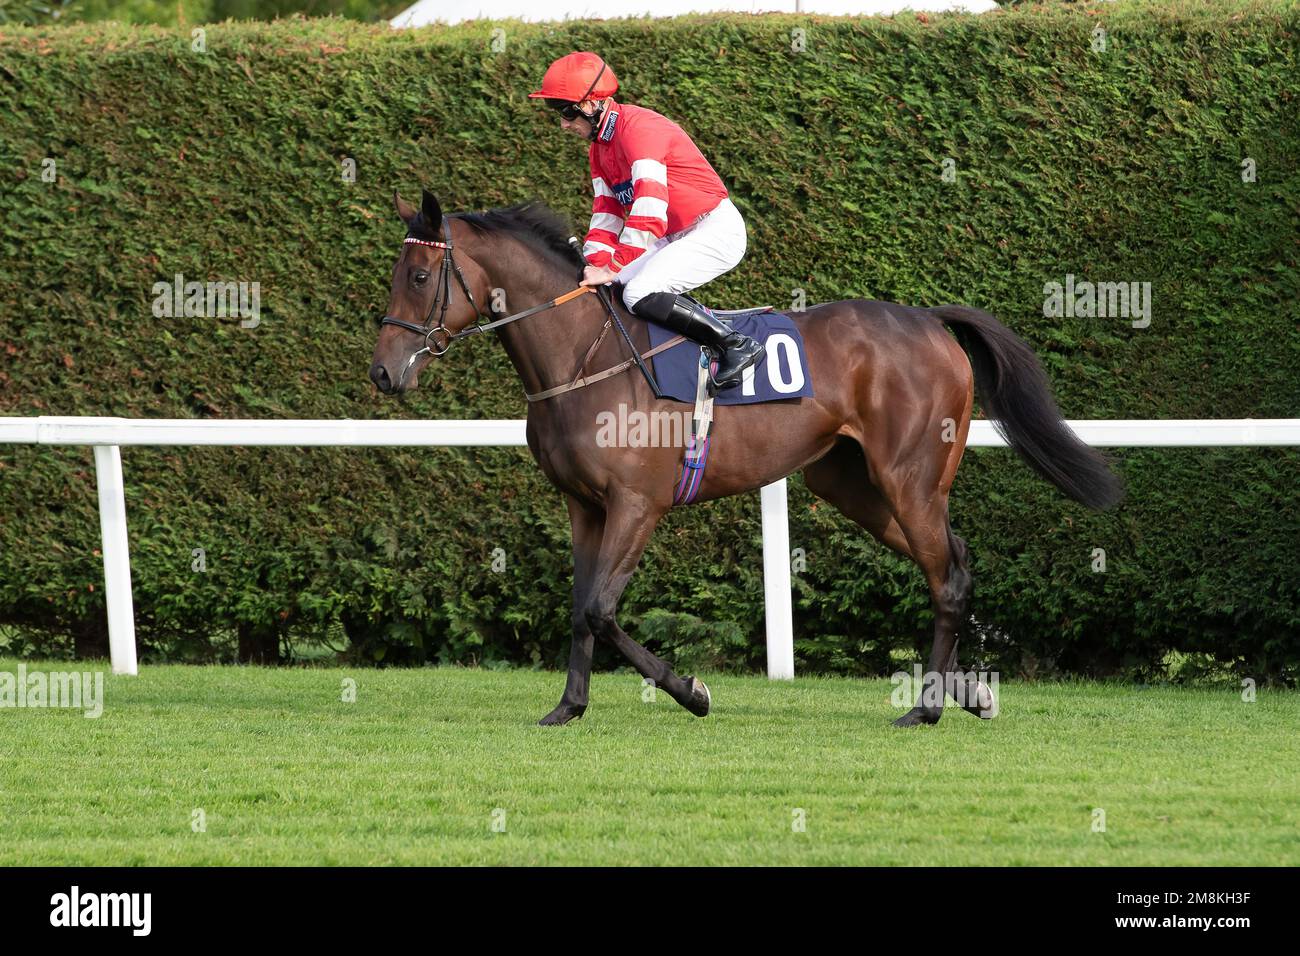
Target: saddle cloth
781, 373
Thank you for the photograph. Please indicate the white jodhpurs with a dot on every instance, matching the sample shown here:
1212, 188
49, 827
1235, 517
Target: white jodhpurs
681, 261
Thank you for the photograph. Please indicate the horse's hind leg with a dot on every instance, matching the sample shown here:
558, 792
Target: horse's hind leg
922, 515
840, 477
971, 694
924, 536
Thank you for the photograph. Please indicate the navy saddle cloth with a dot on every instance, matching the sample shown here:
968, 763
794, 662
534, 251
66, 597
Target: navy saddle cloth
781, 373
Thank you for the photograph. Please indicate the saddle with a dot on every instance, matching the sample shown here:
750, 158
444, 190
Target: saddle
683, 373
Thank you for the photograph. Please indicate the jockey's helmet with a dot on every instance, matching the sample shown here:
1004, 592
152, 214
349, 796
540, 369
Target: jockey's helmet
574, 78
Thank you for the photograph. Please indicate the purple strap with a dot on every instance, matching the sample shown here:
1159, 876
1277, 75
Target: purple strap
696, 457
692, 472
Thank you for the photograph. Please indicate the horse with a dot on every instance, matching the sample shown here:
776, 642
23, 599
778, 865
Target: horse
880, 441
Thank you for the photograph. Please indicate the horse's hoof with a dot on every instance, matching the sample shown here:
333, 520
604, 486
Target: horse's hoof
917, 717
701, 699
561, 715
984, 706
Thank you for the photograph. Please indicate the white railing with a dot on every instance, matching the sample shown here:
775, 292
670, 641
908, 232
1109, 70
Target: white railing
107, 435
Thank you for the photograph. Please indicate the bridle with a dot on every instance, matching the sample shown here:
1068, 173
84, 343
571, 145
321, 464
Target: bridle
442, 294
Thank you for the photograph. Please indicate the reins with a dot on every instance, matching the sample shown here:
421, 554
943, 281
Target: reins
442, 292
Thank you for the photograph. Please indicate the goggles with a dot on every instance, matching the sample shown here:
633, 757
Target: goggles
570, 111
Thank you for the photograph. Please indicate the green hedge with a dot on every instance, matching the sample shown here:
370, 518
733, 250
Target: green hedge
187, 13
1122, 165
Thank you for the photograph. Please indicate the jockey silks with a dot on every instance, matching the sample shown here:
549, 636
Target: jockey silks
649, 180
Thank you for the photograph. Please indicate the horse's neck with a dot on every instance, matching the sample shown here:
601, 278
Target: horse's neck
546, 348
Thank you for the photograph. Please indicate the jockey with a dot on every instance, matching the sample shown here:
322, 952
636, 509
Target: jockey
662, 223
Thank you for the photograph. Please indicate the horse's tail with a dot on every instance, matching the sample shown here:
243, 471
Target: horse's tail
1015, 393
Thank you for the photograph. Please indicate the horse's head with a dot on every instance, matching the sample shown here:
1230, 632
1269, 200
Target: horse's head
438, 290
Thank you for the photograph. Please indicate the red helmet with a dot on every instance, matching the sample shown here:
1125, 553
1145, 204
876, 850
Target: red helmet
577, 77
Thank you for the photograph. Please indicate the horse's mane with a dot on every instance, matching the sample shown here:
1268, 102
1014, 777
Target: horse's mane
532, 222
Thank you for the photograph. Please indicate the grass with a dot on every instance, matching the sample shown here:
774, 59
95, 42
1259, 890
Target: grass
285, 772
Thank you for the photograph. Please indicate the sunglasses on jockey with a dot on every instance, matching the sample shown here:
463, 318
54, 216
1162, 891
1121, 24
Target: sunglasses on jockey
571, 110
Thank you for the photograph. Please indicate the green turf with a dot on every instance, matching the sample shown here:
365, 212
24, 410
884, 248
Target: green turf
287, 773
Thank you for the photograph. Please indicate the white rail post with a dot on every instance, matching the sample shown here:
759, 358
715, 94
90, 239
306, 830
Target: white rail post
117, 559
776, 582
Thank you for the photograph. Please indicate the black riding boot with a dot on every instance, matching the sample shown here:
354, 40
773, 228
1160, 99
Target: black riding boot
735, 350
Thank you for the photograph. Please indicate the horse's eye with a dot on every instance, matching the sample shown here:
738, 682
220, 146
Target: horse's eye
421, 278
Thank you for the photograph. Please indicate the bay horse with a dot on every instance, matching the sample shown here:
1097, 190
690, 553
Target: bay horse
881, 441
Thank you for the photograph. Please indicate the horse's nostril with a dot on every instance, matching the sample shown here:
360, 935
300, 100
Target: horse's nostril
379, 375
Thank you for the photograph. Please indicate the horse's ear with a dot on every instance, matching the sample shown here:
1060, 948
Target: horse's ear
404, 208
432, 211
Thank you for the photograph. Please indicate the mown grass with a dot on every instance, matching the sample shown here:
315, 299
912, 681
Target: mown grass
285, 772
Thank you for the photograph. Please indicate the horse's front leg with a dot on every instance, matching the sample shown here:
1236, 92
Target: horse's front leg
587, 524
630, 519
